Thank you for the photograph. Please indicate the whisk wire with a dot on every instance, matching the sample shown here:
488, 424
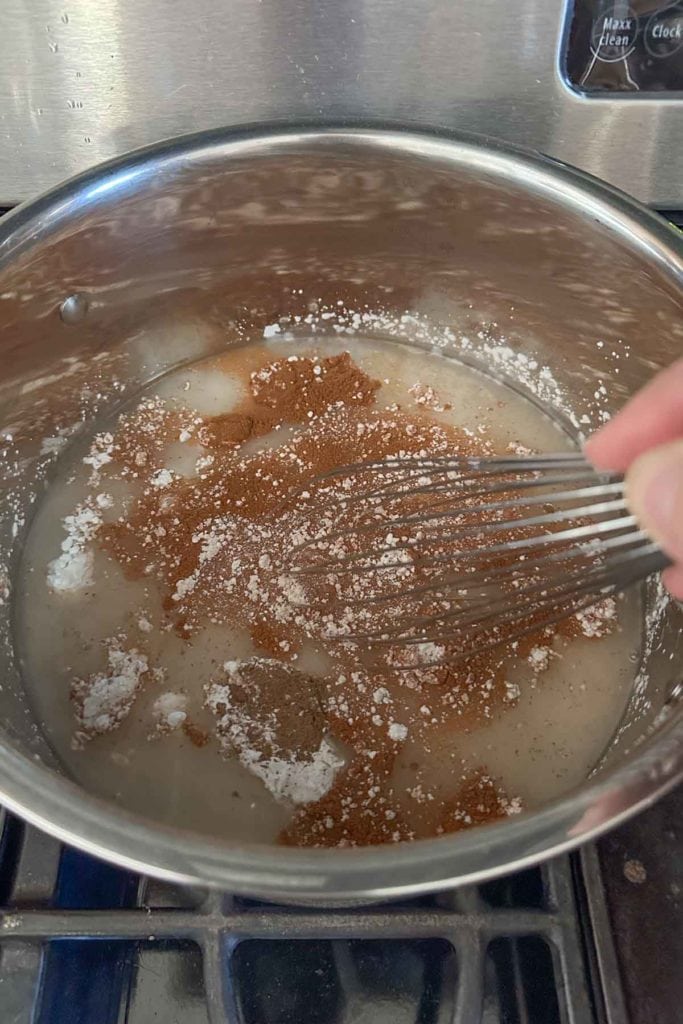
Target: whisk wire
611, 546
536, 538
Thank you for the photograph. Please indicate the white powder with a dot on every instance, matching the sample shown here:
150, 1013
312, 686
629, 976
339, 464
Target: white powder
425, 395
293, 590
381, 695
300, 782
101, 452
162, 478
169, 711
211, 545
429, 653
517, 448
184, 586
512, 691
513, 805
420, 663
598, 620
105, 698
524, 369
397, 731
73, 569
539, 658
52, 445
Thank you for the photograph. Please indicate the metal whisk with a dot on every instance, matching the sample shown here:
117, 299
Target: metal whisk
461, 554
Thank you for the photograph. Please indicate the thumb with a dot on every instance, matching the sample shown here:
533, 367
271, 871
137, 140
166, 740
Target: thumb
654, 492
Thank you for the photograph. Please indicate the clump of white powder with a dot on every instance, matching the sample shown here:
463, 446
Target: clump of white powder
104, 699
397, 732
293, 590
72, 570
539, 658
512, 692
517, 448
599, 619
299, 782
169, 711
101, 452
162, 478
427, 396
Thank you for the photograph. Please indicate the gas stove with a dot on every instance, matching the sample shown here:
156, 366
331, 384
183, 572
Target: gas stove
593, 938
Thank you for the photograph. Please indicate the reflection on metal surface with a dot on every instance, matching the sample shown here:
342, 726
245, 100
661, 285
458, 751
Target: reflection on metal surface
81, 82
74, 308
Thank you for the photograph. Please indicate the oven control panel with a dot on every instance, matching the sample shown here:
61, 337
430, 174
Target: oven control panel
615, 46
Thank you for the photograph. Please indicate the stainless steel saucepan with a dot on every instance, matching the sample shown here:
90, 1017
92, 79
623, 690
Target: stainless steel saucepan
221, 229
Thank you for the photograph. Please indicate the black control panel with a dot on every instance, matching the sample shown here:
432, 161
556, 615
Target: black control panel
629, 47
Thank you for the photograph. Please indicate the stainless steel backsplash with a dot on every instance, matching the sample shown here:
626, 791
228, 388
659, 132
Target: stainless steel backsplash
85, 80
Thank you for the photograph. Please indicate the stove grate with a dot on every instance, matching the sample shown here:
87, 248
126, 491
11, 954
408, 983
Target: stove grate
82, 942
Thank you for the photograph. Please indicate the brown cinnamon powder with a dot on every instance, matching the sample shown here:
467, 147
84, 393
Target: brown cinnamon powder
222, 544
300, 387
234, 428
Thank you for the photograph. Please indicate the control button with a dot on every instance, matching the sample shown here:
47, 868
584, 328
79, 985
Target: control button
664, 32
613, 36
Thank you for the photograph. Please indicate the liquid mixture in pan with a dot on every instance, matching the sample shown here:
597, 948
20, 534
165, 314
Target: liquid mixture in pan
181, 668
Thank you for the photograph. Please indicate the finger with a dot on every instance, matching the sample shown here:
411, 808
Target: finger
652, 417
654, 492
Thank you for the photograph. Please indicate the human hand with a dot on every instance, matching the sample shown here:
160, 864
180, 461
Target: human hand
645, 441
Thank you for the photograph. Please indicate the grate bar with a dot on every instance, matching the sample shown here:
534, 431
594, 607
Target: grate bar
37, 868
276, 923
609, 974
465, 918
470, 951
219, 986
566, 945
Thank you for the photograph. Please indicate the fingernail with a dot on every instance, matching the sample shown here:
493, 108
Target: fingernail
654, 492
